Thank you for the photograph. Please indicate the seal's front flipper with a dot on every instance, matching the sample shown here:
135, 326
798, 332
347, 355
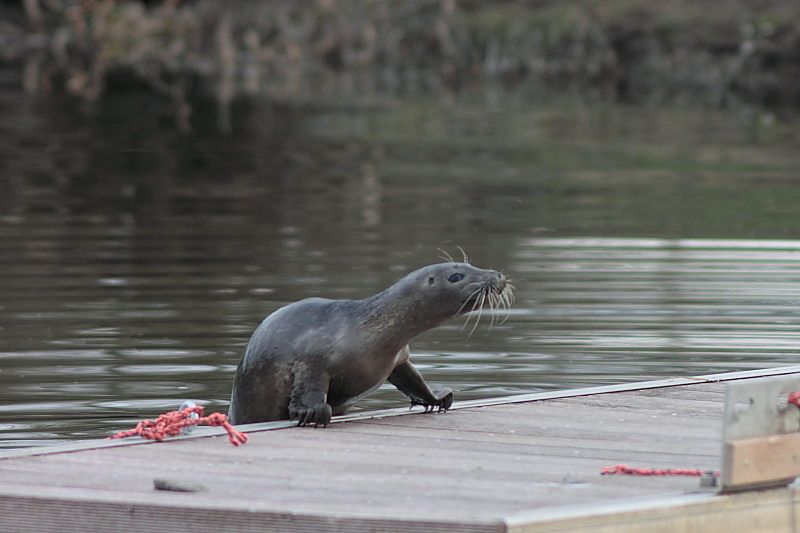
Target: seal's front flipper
409, 381
444, 400
310, 408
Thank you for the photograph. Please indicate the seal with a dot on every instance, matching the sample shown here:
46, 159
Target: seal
314, 358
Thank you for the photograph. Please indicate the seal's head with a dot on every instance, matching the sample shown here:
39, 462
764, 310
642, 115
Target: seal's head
438, 293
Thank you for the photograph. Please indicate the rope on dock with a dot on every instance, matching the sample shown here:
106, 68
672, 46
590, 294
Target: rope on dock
794, 399
170, 424
631, 471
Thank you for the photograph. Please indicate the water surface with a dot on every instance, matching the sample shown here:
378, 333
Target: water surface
134, 264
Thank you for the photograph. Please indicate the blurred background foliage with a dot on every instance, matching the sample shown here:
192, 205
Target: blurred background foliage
711, 52
141, 102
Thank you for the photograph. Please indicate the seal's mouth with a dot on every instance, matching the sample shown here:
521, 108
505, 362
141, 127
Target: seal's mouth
494, 294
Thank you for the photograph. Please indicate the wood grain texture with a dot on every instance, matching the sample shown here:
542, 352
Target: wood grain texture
467, 470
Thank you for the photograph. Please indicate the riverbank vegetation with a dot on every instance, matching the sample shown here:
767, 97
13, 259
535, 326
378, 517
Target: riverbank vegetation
718, 53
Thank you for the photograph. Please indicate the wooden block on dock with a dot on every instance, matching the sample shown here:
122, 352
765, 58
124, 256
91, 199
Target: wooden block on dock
760, 438
765, 460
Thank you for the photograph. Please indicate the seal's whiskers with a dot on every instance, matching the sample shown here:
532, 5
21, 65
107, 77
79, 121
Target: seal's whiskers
495, 299
475, 294
446, 256
506, 298
461, 309
464, 254
449, 258
482, 301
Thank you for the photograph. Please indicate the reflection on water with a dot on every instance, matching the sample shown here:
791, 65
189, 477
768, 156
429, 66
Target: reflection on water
134, 266
84, 356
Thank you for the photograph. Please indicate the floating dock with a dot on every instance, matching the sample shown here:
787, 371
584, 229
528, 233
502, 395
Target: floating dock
528, 463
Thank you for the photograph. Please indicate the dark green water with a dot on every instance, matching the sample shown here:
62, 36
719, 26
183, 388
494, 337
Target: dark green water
135, 263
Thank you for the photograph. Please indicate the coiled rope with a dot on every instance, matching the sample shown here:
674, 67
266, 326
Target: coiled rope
170, 424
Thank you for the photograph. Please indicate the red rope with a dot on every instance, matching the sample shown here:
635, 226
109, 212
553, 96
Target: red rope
630, 471
170, 424
794, 399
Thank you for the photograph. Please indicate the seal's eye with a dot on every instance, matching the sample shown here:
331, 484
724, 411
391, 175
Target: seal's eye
455, 278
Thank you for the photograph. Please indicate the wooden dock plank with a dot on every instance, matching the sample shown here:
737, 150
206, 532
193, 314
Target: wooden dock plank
390, 460
520, 465
470, 469
423, 460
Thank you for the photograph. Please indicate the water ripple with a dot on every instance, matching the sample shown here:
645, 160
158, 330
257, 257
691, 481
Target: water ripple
588, 312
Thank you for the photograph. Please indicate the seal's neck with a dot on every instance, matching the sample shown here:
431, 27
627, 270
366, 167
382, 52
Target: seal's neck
397, 316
